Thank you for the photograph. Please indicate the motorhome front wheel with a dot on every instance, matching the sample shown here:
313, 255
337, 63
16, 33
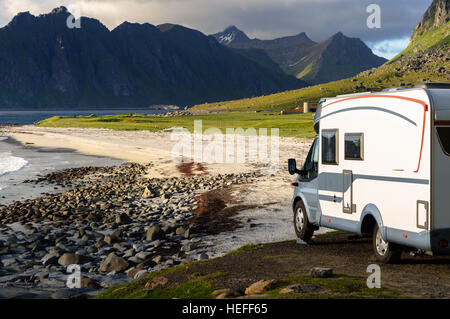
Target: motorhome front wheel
303, 228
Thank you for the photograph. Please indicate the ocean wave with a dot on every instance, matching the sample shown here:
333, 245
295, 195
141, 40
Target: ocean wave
9, 163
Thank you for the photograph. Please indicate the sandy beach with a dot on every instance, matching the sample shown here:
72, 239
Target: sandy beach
254, 207
155, 147
132, 146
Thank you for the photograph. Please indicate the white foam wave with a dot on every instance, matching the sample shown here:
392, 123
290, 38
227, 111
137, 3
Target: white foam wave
9, 163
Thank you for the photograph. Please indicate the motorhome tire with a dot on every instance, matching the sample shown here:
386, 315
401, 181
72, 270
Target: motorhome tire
303, 228
385, 252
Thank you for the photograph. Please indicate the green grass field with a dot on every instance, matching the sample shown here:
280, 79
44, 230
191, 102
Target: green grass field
295, 125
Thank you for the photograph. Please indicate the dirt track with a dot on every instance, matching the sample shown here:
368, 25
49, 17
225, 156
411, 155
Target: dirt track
419, 277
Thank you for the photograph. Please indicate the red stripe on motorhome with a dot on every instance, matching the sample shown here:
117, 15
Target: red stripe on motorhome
425, 110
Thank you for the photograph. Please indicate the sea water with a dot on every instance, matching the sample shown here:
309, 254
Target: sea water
20, 162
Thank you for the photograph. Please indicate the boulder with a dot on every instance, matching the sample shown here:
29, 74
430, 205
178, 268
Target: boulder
148, 193
320, 272
222, 293
203, 256
140, 274
69, 259
260, 286
113, 238
50, 259
158, 281
123, 219
180, 230
157, 259
113, 263
89, 283
154, 233
9, 262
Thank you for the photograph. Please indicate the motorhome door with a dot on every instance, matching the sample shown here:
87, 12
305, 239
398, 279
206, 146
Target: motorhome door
309, 182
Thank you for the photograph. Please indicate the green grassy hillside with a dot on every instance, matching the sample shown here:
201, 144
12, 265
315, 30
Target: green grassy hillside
429, 39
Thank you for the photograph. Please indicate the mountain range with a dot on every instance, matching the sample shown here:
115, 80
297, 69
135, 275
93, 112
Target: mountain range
334, 59
426, 59
43, 64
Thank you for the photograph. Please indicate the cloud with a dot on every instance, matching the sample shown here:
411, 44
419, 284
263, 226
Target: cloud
258, 18
389, 48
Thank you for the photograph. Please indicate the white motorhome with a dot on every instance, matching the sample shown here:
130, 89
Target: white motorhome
380, 166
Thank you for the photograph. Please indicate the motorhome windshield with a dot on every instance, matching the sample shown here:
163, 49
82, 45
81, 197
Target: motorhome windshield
312, 161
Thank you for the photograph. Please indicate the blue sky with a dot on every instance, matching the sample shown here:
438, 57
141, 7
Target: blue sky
388, 48
265, 19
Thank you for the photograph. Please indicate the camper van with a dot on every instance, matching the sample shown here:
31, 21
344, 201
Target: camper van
379, 166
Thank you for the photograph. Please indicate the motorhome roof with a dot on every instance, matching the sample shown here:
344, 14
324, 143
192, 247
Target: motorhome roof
438, 92
353, 94
429, 85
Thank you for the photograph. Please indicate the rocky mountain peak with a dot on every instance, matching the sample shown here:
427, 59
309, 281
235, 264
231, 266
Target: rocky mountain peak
338, 35
232, 35
43, 63
22, 19
59, 10
340, 39
436, 16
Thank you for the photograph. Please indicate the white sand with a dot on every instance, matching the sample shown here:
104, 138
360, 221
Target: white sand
273, 222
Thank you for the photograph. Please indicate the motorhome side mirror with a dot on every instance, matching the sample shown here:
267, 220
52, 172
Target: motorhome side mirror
292, 166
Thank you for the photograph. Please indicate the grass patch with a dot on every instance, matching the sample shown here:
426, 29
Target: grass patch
337, 287
199, 287
244, 248
295, 125
135, 289
192, 282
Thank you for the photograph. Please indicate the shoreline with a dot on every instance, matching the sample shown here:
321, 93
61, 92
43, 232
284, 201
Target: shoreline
147, 232
40, 160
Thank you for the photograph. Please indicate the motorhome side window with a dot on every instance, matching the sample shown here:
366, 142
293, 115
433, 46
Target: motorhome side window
354, 146
329, 147
444, 138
